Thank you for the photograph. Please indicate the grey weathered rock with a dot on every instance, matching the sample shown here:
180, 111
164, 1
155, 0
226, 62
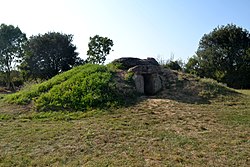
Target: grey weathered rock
145, 69
128, 62
139, 83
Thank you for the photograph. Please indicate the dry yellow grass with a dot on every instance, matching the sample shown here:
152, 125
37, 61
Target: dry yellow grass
155, 132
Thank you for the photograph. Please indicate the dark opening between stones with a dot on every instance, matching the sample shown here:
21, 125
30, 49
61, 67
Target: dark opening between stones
148, 84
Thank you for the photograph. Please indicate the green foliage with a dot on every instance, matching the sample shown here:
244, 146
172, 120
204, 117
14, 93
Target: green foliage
99, 48
11, 50
192, 65
48, 55
114, 66
82, 88
224, 55
16, 78
171, 63
29, 92
129, 77
4, 117
174, 65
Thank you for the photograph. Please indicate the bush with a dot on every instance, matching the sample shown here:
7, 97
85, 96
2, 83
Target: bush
15, 76
174, 65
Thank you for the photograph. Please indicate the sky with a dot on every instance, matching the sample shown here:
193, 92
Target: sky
162, 29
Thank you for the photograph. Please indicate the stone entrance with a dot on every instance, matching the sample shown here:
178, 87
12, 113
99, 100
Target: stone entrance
148, 84
146, 74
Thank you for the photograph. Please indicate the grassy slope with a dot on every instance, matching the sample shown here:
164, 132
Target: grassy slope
80, 89
155, 132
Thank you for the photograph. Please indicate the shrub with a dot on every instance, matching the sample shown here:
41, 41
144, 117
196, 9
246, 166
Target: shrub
114, 66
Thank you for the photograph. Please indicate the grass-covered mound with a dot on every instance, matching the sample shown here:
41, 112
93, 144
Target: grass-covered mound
203, 87
96, 86
82, 88
189, 88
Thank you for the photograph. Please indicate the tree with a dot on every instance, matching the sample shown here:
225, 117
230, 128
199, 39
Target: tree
11, 49
99, 48
223, 54
49, 54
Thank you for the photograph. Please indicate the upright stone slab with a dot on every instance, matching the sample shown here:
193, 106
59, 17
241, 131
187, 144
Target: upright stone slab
139, 83
157, 83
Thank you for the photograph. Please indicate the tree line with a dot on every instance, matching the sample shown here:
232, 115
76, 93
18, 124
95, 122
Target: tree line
44, 55
223, 54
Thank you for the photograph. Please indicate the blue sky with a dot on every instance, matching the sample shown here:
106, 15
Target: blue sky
139, 28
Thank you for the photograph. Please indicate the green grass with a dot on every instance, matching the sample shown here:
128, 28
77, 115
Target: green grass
83, 88
31, 91
154, 132
197, 123
211, 88
237, 112
91, 86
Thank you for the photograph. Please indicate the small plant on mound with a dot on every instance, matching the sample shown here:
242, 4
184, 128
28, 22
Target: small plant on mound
114, 66
82, 88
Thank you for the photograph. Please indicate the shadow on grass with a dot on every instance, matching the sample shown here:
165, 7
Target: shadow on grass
190, 97
181, 97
